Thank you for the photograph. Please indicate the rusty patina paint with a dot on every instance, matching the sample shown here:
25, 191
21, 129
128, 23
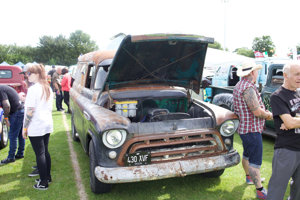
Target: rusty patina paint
96, 56
221, 114
154, 37
166, 170
145, 87
103, 118
95, 96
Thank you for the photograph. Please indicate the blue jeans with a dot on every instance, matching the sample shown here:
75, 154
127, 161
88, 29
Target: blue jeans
253, 148
15, 134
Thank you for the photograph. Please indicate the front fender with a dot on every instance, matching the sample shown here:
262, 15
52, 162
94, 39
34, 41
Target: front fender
105, 119
222, 114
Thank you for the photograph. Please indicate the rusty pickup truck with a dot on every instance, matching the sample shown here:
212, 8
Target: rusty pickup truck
133, 112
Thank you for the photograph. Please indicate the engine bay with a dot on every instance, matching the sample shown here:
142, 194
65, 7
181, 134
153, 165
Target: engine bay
160, 109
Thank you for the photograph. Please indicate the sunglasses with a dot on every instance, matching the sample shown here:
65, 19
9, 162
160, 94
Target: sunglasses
29, 73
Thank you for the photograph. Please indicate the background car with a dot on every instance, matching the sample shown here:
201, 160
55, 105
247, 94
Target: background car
10, 75
3, 130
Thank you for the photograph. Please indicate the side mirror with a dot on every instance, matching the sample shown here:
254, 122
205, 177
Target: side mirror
105, 64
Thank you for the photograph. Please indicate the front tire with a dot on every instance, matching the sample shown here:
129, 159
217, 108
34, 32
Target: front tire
214, 174
4, 134
96, 186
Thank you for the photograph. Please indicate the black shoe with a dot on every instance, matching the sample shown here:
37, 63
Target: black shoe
60, 110
40, 186
34, 167
34, 173
39, 180
6, 161
18, 156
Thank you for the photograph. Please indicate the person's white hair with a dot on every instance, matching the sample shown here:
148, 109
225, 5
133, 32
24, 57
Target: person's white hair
287, 66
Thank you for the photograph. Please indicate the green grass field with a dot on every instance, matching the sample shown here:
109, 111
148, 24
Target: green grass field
15, 183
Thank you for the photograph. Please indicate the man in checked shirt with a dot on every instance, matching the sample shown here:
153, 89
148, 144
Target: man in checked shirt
252, 114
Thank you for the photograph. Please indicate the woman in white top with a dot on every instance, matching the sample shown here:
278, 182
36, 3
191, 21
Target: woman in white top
38, 122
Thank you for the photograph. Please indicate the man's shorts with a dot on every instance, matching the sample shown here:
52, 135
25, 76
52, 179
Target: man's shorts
252, 143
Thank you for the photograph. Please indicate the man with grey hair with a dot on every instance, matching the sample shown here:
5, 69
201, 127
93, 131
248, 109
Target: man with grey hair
285, 103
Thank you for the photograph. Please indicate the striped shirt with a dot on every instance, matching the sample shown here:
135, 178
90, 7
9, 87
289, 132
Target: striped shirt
248, 122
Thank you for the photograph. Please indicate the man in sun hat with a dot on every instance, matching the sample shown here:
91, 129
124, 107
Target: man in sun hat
249, 107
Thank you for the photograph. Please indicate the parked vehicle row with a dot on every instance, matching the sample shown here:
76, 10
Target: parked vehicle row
222, 95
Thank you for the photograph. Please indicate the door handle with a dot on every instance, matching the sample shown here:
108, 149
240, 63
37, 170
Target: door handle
86, 115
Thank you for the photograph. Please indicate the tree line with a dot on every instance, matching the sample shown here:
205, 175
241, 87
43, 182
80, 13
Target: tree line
65, 51
50, 50
261, 44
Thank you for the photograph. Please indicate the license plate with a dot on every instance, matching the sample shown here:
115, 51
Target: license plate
138, 158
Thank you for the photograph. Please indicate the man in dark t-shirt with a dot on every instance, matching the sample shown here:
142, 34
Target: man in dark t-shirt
285, 103
8, 93
51, 72
56, 79
13, 115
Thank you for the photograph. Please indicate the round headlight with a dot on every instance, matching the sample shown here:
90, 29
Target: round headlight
228, 128
114, 138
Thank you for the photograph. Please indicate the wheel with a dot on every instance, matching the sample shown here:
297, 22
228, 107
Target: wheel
96, 186
73, 131
3, 134
214, 174
224, 100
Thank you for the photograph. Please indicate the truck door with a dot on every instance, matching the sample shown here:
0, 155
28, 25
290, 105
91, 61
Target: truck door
274, 81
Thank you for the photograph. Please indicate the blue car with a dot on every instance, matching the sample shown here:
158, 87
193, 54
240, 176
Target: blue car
3, 130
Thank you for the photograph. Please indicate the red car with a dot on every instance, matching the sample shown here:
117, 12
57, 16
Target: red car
10, 75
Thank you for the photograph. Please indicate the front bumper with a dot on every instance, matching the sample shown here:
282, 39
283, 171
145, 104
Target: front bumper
166, 170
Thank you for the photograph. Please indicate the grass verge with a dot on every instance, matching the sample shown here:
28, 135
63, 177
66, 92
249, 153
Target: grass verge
14, 180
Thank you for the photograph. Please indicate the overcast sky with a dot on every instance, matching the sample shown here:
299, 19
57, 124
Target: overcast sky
23, 22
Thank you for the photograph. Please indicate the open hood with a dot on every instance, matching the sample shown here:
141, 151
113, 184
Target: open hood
174, 60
